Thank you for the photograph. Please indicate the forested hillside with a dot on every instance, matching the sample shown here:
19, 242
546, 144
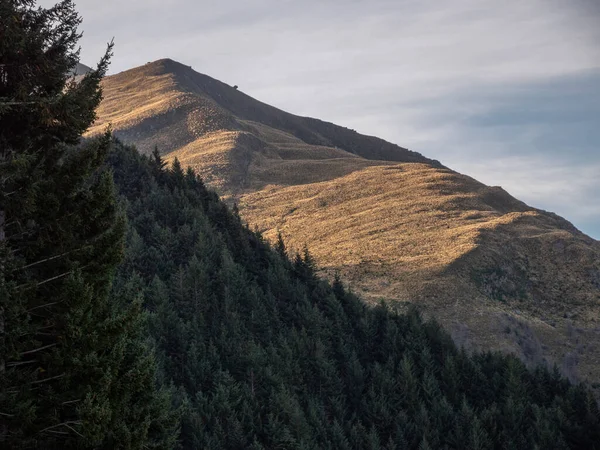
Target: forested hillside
263, 354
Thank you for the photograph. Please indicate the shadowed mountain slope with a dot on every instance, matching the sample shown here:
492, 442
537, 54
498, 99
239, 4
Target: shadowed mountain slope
496, 272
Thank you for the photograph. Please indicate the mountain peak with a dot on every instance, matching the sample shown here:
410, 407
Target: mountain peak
171, 90
167, 64
158, 67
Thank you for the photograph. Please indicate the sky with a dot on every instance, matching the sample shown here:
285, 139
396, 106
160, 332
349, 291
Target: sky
506, 92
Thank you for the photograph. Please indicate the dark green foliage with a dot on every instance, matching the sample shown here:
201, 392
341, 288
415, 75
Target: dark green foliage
76, 370
267, 356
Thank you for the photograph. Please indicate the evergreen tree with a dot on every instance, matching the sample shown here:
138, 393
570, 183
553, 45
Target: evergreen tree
280, 247
71, 357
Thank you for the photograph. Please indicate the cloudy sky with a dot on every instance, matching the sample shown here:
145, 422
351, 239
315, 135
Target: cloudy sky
507, 92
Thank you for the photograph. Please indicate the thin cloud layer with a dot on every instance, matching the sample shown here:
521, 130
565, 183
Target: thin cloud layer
506, 93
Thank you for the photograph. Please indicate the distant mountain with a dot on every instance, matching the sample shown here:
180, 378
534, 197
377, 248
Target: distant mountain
82, 69
395, 224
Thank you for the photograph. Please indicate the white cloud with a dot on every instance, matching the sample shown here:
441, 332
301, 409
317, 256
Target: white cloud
430, 40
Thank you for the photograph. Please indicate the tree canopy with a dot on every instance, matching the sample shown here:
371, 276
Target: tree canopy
75, 368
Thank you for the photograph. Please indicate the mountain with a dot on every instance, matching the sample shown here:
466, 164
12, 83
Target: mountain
81, 69
497, 273
234, 141
138, 311
259, 353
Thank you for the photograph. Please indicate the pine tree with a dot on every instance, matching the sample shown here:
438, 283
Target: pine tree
280, 246
64, 343
156, 162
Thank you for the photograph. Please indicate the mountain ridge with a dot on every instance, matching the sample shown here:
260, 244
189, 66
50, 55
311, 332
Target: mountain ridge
403, 229
247, 108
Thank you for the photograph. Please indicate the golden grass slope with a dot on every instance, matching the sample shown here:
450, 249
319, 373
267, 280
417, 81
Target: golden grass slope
166, 103
238, 161
394, 224
217, 130
496, 272
146, 106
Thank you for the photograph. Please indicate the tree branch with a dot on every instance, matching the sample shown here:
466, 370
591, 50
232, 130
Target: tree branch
20, 363
64, 424
74, 430
48, 379
42, 306
47, 259
38, 349
18, 103
46, 281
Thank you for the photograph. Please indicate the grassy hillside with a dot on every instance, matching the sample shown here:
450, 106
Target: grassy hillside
393, 223
473, 256
142, 102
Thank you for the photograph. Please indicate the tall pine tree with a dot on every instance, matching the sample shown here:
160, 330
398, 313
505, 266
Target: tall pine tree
70, 355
